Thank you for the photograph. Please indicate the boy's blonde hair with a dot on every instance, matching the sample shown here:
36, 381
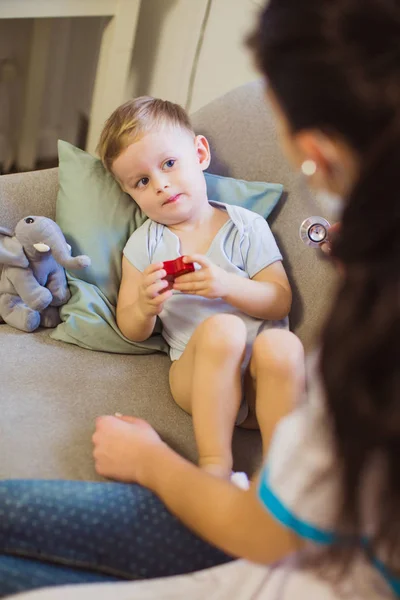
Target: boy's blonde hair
130, 121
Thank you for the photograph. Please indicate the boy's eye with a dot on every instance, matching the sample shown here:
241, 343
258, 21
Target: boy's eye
142, 182
169, 163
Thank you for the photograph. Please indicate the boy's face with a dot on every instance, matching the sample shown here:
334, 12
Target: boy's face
163, 173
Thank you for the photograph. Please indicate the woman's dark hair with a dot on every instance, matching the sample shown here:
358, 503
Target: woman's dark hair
334, 66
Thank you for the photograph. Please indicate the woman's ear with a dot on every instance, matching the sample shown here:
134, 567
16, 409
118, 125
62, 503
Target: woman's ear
11, 251
203, 151
335, 163
311, 146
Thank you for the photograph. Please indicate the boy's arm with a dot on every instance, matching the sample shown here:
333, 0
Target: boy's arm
267, 296
130, 319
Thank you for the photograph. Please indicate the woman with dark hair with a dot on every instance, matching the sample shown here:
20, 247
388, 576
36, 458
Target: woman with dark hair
331, 476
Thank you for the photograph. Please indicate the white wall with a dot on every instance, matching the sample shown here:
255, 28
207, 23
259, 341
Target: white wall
224, 62
165, 47
175, 58
189, 51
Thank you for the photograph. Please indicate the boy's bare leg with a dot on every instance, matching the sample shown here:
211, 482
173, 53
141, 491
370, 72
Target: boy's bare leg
276, 380
206, 382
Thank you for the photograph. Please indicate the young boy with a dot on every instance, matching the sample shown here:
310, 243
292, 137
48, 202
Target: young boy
212, 316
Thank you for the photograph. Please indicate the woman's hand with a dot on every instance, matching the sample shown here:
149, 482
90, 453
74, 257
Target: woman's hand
122, 447
326, 246
210, 281
332, 232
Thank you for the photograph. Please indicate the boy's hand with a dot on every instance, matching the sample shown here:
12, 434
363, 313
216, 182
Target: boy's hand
210, 281
123, 447
152, 291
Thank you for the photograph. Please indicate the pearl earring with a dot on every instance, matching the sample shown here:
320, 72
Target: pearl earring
309, 167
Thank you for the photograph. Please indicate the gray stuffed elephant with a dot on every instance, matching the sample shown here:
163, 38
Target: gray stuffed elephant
33, 283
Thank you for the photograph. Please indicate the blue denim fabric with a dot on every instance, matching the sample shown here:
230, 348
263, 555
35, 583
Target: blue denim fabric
22, 574
56, 532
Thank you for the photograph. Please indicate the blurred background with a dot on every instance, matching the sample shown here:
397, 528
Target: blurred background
66, 64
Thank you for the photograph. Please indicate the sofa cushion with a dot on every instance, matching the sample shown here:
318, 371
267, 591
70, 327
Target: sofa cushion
97, 218
51, 394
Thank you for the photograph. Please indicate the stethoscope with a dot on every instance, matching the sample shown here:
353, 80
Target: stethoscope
314, 231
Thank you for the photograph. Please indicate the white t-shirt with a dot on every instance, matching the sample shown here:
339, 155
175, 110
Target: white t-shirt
237, 580
300, 486
244, 245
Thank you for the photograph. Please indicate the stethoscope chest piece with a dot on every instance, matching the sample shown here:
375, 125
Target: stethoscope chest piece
314, 231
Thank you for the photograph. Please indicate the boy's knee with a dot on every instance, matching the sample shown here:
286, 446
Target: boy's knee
279, 351
223, 334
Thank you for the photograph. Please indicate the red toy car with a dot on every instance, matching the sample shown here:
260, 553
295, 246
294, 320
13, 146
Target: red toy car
176, 268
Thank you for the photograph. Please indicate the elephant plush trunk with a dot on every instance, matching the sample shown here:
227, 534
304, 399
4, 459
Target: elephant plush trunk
64, 258
61, 251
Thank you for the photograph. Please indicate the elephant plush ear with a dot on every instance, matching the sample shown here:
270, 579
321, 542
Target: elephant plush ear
11, 252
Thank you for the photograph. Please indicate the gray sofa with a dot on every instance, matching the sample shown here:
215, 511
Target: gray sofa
51, 392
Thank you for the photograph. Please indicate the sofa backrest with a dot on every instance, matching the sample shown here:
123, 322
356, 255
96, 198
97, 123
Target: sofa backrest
243, 138
23, 194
